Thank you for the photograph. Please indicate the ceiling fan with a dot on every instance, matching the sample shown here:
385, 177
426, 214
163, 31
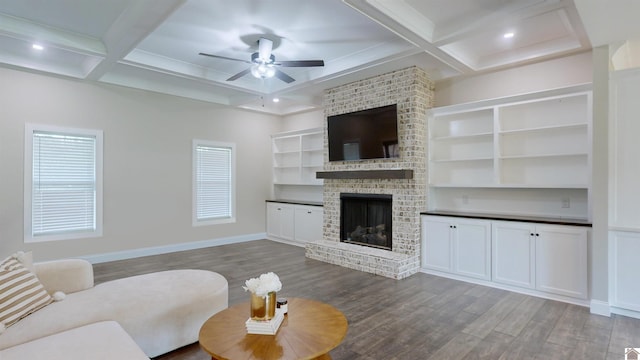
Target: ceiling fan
264, 64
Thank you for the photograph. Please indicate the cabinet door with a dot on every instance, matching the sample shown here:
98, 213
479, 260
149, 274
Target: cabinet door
273, 220
472, 248
280, 220
561, 260
513, 253
436, 252
308, 223
287, 221
624, 265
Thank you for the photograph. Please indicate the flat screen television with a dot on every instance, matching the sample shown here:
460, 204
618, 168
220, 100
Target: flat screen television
364, 134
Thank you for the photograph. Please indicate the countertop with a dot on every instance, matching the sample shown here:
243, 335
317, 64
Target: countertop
297, 202
533, 219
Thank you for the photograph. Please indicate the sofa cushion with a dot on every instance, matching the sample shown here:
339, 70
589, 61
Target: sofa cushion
21, 293
104, 340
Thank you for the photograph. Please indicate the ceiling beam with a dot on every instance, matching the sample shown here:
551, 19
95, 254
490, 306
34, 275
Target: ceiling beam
138, 20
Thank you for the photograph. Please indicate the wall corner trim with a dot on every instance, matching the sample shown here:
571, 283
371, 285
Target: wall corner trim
598, 307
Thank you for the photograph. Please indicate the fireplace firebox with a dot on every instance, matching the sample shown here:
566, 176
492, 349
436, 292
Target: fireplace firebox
366, 219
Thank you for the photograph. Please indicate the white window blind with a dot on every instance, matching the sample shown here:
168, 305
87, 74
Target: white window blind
64, 183
214, 191
63, 172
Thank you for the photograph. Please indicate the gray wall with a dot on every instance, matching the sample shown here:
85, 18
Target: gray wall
302, 121
546, 75
147, 161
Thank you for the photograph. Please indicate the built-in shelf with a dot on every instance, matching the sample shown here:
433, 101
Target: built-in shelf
296, 157
366, 174
529, 154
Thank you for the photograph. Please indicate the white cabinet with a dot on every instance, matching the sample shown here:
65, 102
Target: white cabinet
436, 243
308, 223
549, 258
457, 245
536, 258
280, 220
513, 247
297, 156
294, 222
561, 260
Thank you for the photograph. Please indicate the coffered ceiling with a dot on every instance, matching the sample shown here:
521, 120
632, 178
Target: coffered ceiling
155, 44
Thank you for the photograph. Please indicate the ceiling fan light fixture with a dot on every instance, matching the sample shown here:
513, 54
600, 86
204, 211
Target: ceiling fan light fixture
263, 71
263, 63
256, 59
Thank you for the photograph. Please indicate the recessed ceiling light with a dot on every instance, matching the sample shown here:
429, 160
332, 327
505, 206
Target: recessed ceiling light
37, 47
275, 100
508, 35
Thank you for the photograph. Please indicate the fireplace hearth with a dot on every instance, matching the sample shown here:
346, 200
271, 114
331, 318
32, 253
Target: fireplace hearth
366, 219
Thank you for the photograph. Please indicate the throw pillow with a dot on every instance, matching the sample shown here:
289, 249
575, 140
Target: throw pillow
26, 258
21, 293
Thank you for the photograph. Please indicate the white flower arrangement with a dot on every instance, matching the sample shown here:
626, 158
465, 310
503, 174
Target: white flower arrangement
263, 285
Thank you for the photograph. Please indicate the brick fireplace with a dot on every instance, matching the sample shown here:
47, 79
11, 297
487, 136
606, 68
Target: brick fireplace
403, 179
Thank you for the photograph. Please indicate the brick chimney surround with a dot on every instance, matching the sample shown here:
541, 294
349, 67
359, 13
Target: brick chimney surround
404, 178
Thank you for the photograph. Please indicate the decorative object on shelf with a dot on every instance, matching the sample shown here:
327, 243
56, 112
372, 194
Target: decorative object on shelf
263, 295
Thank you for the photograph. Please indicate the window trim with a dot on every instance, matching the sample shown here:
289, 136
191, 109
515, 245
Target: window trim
232, 200
28, 183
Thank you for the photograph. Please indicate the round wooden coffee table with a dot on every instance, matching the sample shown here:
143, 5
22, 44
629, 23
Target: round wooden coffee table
309, 331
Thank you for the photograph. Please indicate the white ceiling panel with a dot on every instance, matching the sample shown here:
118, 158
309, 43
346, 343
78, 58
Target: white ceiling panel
155, 44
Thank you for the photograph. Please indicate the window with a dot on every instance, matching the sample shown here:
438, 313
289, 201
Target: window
213, 182
63, 183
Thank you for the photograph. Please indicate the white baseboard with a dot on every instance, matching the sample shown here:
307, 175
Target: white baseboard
285, 241
135, 253
626, 312
516, 289
600, 308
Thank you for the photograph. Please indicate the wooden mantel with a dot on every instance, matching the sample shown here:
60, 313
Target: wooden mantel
366, 174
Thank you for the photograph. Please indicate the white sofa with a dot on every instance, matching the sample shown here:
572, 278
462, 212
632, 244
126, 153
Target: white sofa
159, 311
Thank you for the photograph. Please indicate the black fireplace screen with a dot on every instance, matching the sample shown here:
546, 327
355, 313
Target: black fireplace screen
366, 219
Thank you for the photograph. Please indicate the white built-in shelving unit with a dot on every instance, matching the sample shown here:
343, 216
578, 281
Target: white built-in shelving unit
295, 215
528, 154
297, 156
514, 176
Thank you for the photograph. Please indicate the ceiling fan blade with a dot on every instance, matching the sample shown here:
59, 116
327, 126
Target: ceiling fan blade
300, 63
264, 49
239, 75
224, 58
284, 77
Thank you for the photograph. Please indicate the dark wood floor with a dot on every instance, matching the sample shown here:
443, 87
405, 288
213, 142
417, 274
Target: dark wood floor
421, 317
